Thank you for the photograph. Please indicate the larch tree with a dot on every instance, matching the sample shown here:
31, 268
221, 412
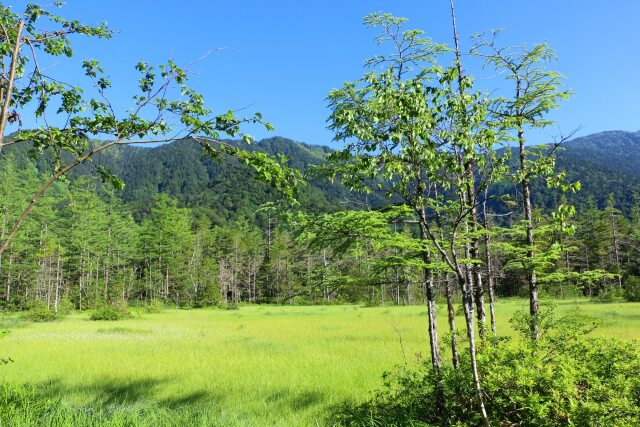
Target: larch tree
536, 91
166, 242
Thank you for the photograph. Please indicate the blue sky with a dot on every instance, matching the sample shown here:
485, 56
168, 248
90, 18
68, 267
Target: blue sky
282, 57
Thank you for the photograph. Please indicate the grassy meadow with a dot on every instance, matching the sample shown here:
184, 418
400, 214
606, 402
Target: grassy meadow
257, 366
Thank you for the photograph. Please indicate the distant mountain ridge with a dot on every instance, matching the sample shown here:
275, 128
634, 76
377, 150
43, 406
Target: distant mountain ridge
605, 162
222, 191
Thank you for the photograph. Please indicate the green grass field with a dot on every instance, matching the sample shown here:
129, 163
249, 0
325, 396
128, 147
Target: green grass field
257, 366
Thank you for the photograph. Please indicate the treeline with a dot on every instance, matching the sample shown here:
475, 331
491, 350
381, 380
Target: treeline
82, 248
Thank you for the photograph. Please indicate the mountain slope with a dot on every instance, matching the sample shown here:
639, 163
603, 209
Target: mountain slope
607, 162
222, 191
604, 163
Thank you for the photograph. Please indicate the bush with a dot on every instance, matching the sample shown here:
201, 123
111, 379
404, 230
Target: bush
40, 313
229, 306
564, 379
156, 306
65, 306
632, 288
117, 311
611, 293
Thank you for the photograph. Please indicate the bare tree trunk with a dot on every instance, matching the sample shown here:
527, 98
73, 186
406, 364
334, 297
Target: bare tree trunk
467, 293
433, 324
9, 278
58, 278
534, 305
489, 263
467, 296
616, 251
434, 343
451, 312
95, 288
49, 275
475, 268
324, 272
81, 281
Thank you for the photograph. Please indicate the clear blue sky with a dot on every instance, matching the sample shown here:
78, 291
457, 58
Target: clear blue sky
283, 57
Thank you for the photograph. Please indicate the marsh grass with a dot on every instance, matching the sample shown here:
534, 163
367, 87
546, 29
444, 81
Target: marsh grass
257, 366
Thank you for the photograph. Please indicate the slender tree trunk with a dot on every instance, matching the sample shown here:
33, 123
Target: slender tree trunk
433, 324
534, 305
468, 292
467, 296
324, 277
81, 281
9, 277
474, 252
49, 275
616, 251
434, 343
489, 264
451, 312
95, 288
58, 278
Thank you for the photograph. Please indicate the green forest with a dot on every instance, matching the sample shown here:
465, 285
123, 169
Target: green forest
93, 247
442, 267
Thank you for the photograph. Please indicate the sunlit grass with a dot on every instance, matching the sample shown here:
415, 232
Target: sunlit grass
260, 365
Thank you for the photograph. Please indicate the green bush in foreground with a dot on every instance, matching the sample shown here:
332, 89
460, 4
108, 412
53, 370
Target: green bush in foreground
565, 379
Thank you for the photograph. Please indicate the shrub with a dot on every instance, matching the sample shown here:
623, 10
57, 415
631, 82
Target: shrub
610, 293
229, 306
40, 313
156, 306
564, 379
117, 311
65, 306
632, 288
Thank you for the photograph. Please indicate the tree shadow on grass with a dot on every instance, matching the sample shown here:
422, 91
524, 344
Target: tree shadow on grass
141, 394
110, 393
295, 400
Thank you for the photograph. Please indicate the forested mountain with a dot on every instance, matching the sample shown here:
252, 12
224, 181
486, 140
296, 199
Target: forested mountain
224, 192
604, 163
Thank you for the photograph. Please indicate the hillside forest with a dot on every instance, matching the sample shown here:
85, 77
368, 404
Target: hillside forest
92, 247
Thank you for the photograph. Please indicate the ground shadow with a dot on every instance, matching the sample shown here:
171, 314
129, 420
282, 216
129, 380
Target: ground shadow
109, 393
295, 400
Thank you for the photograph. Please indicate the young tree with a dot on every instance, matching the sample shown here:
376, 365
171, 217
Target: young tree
412, 134
536, 92
388, 113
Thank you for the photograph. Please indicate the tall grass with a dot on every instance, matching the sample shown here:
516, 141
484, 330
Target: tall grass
260, 365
